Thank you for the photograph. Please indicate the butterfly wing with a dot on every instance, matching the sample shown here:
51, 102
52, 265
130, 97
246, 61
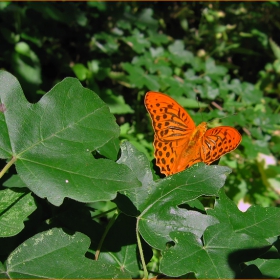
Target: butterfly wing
170, 120
172, 126
219, 141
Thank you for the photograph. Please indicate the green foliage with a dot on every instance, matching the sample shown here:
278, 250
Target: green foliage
12, 218
73, 190
65, 126
55, 249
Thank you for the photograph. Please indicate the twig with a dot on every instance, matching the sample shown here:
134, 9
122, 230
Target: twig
7, 166
104, 235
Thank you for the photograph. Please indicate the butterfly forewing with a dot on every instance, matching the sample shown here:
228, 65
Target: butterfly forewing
219, 141
170, 120
173, 127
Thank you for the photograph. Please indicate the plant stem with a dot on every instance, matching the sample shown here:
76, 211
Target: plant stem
104, 213
141, 252
105, 234
7, 166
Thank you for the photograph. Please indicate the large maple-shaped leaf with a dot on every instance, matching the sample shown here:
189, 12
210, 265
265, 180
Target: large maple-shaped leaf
119, 247
218, 256
257, 221
56, 254
239, 237
270, 268
51, 142
158, 201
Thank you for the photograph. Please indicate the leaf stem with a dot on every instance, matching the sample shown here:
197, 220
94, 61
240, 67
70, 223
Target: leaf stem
7, 166
141, 252
105, 234
104, 213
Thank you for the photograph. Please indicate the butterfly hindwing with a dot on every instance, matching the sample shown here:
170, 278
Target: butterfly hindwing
219, 141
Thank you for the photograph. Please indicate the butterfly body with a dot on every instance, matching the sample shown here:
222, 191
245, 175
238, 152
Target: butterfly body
178, 142
191, 152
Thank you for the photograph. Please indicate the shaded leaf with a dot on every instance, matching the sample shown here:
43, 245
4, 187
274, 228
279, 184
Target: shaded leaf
56, 254
124, 253
14, 182
275, 48
15, 207
270, 268
257, 222
218, 256
26, 66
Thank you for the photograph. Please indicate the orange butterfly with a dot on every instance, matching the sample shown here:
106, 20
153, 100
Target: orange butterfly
178, 142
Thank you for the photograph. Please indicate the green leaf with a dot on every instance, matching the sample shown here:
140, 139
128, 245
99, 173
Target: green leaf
123, 254
179, 56
2, 268
137, 42
56, 254
148, 61
177, 87
252, 151
52, 142
106, 43
157, 52
26, 66
14, 182
268, 267
159, 201
275, 48
138, 164
251, 272
190, 103
214, 71
217, 256
119, 249
143, 20
250, 95
116, 104
80, 71
257, 222
9, 35
124, 24
50, 11
208, 90
139, 78
15, 207
157, 38
110, 149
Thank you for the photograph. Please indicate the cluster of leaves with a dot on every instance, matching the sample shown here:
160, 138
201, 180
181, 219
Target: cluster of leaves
50, 143
65, 148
